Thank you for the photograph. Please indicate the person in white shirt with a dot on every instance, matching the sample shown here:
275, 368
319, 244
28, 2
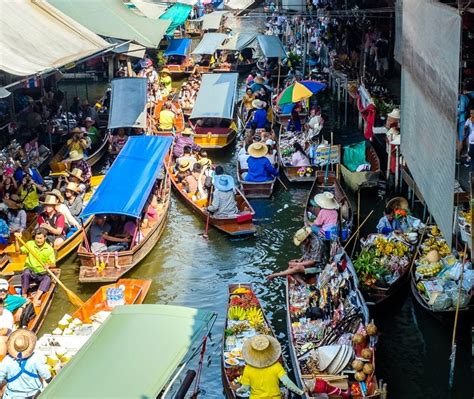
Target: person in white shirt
469, 136
6, 327
243, 157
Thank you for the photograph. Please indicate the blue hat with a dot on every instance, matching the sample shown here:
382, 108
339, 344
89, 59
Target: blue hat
224, 182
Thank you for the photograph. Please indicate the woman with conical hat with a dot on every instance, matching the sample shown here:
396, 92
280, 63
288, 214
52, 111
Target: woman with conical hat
263, 371
259, 167
327, 218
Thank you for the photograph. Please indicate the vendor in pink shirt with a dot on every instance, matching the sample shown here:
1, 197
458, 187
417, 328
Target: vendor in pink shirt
328, 215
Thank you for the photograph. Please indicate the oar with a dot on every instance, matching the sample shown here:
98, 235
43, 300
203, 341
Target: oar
73, 298
283, 184
357, 231
208, 214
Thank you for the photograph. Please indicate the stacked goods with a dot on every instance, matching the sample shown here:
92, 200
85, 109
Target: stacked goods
438, 275
464, 222
287, 140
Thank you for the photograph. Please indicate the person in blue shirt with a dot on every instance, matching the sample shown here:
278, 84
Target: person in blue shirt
259, 118
294, 124
11, 302
259, 167
257, 84
25, 169
388, 224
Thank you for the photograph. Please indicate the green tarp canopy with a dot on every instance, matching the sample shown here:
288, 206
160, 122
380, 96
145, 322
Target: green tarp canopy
354, 156
111, 18
177, 14
133, 354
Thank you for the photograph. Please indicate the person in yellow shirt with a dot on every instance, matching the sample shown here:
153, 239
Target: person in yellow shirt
263, 371
28, 193
167, 118
166, 81
79, 141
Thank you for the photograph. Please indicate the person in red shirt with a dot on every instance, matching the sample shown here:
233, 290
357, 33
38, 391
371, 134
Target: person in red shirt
52, 221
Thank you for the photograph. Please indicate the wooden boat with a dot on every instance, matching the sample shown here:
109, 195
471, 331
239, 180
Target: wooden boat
109, 267
57, 165
237, 67
46, 299
299, 304
369, 178
283, 119
254, 189
235, 226
134, 294
230, 373
192, 28
179, 118
178, 58
331, 184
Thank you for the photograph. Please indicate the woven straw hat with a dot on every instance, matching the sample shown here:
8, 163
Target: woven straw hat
75, 156
261, 351
259, 80
258, 150
21, 343
301, 235
326, 200
187, 131
165, 70
259, 104
76, 130
74, 187
50, 200
57, 194
395, 114
77, 173
184, 165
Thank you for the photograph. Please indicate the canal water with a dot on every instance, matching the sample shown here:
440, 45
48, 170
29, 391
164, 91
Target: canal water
188, 270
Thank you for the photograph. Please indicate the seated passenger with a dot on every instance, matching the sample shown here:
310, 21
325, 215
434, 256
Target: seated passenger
16, 214
187, 156
294, 124
223, 199
259, 167
299, 157
71, 221
79, 141
117, 141
73, 200
327, 218
52, 222
259, 118
78, 162
183, 139
166, 118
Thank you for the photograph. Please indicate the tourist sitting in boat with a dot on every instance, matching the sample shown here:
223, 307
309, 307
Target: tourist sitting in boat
314, 255
25, 168
187, 99
52, 221
16, 215
244, 156
315, 123
271, 154
62, 208
299, 157
203, 159
165, 80
182, 140
247, 100
259, 117
73, 200
184, 168
92, 132
263, 371
101, 233
327, 219
78, 162
257, 84
187, 156
7, 324
34, 269
28, 193
166, 118
79, 141
223, 203
294, 123
12, 303
193, 184
117, 141
8, 184
23, 370
388, 223
259, 167
73, 176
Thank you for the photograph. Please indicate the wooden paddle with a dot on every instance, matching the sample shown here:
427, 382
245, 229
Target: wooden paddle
208, 214
357, 231
73, 298
281, 182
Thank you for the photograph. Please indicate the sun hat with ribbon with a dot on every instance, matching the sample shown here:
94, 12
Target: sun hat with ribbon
257, 150
57, 194
259, 104
184, 165
301, 235
325, 200
261, 351
224, 183
77, 173
75, 156
21, 343
74, 187
50, 200
187, 131
395, 114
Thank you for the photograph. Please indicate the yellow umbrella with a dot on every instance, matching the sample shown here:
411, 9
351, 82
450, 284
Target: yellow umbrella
294, 93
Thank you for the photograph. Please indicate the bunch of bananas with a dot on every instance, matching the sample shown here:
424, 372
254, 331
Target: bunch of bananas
241, 290
386, 247
255, 316
429, 270
435, 231
466, 215
436, 244
237, 313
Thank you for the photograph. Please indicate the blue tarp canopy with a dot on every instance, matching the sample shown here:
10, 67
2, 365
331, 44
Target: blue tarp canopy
178, 14
178, 47
128, 103
271, 46
128, 183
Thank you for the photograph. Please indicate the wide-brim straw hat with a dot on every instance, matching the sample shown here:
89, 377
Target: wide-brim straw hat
13, 202
21, 343
187, 131
165, 70
326, 200
395, 114
224, 182
259, 104
184, 166
257, 150
89, 120
50, 200
77, 173
76, 130
301, 235
261, 351
74, 187
398, 203
57, 194
75, 156
259, 80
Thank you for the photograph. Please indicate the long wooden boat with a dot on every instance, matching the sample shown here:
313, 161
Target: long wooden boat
237, 67
232, 343
369, 178
234, 226
179, 117
330, 183
46, 299
254, 189
283, 119
57, 165
214, 138
135, 291
337, 372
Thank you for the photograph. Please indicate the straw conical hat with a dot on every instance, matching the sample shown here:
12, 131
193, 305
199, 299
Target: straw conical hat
261, 351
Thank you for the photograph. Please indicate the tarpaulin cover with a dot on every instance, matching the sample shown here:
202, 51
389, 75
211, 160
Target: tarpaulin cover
271, 46
213, 20
238, 42
209, 43
216, 97
354, 156
128, 183
178, 47
151, 10
128, 103
127, 48
429, 97
177, 14
111, 18
36, 37
134, 354
239, 5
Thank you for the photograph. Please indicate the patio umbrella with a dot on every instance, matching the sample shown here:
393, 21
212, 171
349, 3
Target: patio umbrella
299, 91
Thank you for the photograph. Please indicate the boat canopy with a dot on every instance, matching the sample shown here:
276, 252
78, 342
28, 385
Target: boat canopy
128, 103
150, 10
216, 97
177, 14
128, 183
213, 20
209, 43
238, 42
127, 48
112, 18
134, 354
49, 39
271, 46
178, 47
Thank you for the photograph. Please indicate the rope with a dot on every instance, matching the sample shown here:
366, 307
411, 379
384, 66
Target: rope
199, 370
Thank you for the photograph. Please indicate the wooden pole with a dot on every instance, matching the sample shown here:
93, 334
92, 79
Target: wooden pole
357, 231
358, 222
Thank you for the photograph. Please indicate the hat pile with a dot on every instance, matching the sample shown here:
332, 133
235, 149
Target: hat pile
333, 359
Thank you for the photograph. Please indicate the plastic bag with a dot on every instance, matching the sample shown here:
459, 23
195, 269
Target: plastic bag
442, 302
468, 280
454, 273
464, 298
